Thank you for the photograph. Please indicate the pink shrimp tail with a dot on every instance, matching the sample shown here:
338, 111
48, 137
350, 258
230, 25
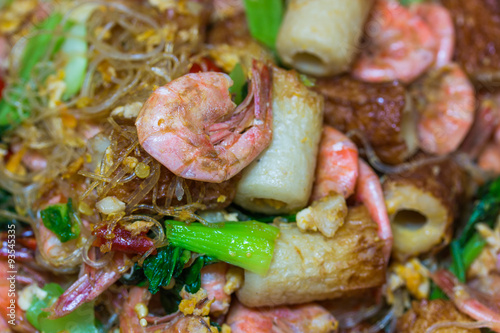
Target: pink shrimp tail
464, 300
369, 192
90, 285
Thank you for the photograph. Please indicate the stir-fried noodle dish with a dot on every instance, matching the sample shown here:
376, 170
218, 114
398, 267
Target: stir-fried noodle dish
250, 166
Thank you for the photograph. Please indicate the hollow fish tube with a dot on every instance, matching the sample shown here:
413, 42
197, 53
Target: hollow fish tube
281, 177
311, 267
321, 37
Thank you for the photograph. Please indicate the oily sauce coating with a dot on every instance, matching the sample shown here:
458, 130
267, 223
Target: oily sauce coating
477, 25
376, 110
426, 313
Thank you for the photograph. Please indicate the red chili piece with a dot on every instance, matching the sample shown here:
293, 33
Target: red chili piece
124, 241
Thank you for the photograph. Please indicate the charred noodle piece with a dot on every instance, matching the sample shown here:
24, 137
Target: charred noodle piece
308, 267
377, 110
422, 205
280, 179
477, 25
425, 314
321, 37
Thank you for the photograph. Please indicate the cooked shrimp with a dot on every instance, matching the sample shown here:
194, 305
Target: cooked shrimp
92, 283
440, 22
18, 318
401, 45
337, 168
369, 192
465, 301
445, 101
193, 128
135, 309
213, 280
489, 159
298, 318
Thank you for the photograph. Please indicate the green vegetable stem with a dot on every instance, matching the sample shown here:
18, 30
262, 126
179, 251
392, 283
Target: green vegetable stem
249, 244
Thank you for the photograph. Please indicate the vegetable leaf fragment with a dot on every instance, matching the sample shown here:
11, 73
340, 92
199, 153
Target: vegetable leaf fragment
58, 218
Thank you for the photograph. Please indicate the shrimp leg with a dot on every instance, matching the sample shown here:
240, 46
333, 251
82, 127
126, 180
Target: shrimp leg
464, 301
369, 192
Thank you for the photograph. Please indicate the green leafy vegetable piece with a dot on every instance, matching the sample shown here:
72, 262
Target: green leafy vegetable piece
79, 321
239, 81
249, 244
190, 279
264, 19
39, 45
160, 268
409, 2
457, 267
75, 49
58, 218
473, 249
36, 48
485, 210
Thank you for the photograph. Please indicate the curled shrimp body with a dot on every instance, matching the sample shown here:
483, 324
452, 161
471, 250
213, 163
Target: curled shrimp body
465, 301
440, 22
337, 168
401, 45
445, 103
369, 192
192, 127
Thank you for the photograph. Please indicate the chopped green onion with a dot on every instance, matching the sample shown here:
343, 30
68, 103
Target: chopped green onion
39, 45
473, 249
264, 20
239, 81
36, 48
457, 267
75, 50
249, 245
58, 218
485, 210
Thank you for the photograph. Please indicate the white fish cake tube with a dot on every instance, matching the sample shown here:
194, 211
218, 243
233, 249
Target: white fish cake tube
281, 178
321, 37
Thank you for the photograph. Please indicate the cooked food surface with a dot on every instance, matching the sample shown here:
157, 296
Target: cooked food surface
422, 205
310, 267
374, 110
321, 37
249, 166
441, 314
477, 30
281, 178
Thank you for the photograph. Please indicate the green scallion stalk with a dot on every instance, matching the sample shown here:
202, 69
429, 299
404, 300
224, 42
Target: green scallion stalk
75, 51
249, 244
264, 19
457, 267
473, 249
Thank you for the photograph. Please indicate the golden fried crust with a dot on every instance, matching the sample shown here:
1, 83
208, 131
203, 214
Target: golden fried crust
435, 191
477, 26
445, 180
375, 109
309, 267
426, 313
